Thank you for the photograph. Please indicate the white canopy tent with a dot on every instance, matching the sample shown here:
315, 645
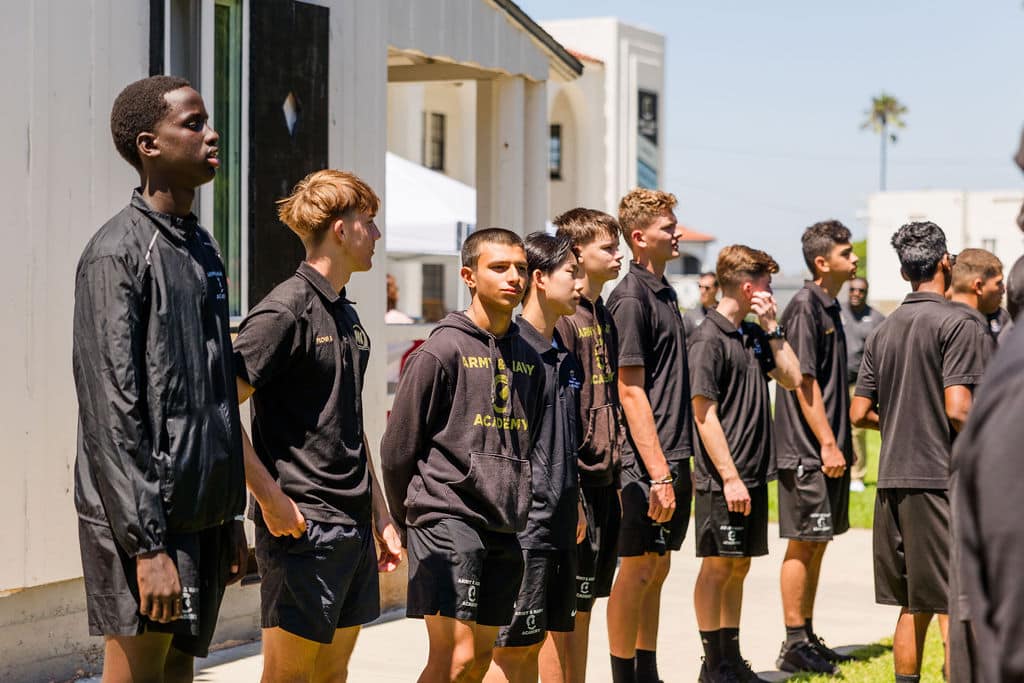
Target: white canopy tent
426, 212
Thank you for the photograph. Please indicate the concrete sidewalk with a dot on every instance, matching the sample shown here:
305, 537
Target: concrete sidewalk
846, 614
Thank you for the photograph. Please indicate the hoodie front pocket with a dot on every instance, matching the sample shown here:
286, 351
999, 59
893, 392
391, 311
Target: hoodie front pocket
497, 488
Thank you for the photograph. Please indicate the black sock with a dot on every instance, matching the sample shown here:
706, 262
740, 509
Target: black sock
646, 666
730, 639
908, 678
712, 642
795, 634
623, 670
809, 627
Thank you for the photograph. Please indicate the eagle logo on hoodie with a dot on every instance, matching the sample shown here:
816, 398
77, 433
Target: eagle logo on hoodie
502, 393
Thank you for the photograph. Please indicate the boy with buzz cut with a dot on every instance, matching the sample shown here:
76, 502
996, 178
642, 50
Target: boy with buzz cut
732, 361
916, 384
456, 461
301, 354
546, 603
978, 284
159, 481
589, 334
654, 391
814, 443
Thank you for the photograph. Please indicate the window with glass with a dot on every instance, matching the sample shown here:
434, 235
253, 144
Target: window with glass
555, 152
434, 141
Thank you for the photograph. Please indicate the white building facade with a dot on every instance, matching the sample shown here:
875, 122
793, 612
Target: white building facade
292, 86
984, 219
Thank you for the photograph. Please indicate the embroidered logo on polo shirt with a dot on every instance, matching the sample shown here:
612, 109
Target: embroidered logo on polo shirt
362, 340
325, 339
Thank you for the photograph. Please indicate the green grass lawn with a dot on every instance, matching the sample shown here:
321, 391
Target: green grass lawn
874, 663
862, 505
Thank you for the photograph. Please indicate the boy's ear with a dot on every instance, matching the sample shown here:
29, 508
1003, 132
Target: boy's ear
536, 278
468, 276
821, 264
145, 143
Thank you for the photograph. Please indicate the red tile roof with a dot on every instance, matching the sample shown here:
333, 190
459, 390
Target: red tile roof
694, 236
583, 57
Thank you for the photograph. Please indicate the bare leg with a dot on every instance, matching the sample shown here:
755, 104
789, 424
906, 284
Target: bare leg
576, 644
514, 665
908, 642
708, 592
288, 658
131, 659
554, 657
795, 580
732, 594
813, 574
650, 606
631, 583
332, 660
460, 651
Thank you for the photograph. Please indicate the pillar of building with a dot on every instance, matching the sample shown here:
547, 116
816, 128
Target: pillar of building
536, 134
500, 155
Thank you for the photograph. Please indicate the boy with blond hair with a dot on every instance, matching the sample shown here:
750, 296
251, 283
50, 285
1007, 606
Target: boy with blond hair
654, 390
301, 354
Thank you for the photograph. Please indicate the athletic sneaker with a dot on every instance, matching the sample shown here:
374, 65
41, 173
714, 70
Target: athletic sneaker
827, 653
804, 656
857, 486
723, 674
744, 674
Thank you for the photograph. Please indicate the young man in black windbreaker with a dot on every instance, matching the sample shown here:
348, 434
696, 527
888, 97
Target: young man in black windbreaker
546, 603
456, 461
301, 353
159, 481
590, 335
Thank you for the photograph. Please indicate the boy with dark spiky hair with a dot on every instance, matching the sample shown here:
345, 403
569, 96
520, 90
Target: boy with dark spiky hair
814, 442
919, 370
654, 391
546, 603
301, 354
456, 461
589, 333
159, 481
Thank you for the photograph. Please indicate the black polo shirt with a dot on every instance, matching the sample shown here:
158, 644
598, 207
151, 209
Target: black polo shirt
730, 367
814, 329
926, 345
650, 334
304, 351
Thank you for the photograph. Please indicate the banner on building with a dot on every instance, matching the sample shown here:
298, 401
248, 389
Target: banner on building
647, 140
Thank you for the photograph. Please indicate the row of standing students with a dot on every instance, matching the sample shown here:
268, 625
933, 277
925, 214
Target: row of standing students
523, 458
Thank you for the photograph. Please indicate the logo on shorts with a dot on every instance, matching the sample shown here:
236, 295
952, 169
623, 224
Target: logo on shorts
531, 622
472, 589
822, 521
189, 596
362, 339
584, 590
732, 535
502, 393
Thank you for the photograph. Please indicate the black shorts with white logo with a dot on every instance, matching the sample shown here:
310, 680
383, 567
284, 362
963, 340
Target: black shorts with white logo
322, 581
911, 547
461, 572
721, 533
203, 560
638, 533
813, 507
546, 600
597, 555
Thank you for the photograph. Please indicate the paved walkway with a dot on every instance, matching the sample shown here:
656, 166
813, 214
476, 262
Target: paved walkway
846, 615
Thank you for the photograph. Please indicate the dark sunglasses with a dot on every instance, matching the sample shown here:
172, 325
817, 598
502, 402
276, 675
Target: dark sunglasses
862, 290
705, 288
952, 260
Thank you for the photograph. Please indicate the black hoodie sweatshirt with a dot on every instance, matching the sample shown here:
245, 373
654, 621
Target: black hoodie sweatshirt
466, 415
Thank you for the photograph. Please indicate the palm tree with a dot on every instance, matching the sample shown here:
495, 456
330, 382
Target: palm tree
886, 112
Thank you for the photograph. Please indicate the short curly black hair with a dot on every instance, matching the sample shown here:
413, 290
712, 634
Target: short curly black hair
138, 109
920, 247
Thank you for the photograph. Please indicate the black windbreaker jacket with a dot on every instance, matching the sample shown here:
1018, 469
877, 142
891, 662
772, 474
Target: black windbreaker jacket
159, 438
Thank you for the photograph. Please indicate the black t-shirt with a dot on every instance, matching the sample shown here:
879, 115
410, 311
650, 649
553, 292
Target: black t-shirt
730, 367
650, 334
926, 345
858, 326
556, 483
303, 350
814, 329
989, 537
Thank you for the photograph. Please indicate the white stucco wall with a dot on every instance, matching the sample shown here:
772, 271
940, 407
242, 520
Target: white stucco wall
982, 219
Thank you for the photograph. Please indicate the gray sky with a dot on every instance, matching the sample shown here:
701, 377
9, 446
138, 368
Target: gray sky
765, 100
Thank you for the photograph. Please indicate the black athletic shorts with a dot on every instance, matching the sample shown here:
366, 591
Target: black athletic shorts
203, 560
322, 581
813, 507
546, 600
639, 534
721, 533
911, 548
598, 554
458, 571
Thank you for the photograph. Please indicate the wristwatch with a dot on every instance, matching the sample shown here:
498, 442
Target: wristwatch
778, 333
